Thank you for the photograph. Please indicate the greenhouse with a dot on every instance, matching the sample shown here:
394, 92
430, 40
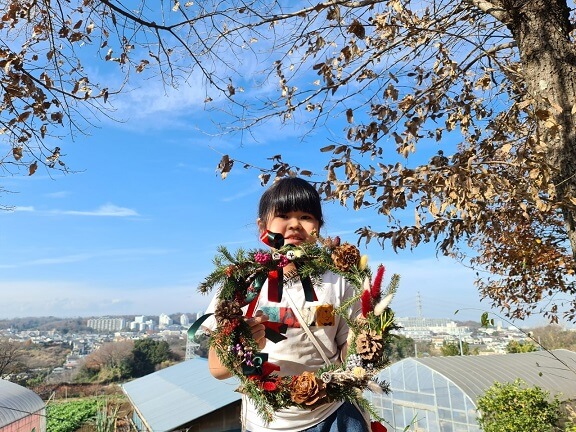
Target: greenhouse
439, 394
21, 410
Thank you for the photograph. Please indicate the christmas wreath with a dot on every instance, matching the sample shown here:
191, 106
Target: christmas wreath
240, 277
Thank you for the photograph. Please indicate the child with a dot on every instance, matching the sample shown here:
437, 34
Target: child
291, 207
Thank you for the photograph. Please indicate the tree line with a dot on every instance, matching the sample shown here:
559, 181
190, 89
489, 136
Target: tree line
119, 361
111, 362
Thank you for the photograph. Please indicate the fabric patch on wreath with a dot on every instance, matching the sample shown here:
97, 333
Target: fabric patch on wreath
325, 315
282, 315
320, 316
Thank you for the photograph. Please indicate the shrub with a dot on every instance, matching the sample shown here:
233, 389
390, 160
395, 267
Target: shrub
514, 407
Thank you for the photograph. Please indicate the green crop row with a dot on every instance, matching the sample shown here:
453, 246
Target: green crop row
69, 416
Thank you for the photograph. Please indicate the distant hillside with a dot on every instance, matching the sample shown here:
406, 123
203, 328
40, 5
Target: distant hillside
62, 325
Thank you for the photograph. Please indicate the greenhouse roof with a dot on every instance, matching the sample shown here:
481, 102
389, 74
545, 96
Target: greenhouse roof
553, 371
179, 394
17, 402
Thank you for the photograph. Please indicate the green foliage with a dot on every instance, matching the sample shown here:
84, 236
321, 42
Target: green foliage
37, 379
140, 359
147, 354
203, 340
486, 321
453, 349
236, 272
115, 373
69, 416
514, 347
568, 409
399, 347
514, 407
86, 375
106, 415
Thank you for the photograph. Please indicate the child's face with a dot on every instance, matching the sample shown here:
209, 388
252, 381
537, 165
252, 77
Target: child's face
296, 226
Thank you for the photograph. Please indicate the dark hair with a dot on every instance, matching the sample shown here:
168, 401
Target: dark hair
290, 194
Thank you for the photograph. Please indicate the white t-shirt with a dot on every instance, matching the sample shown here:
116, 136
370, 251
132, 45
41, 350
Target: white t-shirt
297, 353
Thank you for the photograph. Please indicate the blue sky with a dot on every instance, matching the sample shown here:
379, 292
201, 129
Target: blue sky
134, 230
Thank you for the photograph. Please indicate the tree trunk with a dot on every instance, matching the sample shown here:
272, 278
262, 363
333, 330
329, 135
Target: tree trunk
541, 29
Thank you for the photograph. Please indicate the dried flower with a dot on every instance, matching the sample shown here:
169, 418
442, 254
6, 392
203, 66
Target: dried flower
262, 257
307, 389
366, 302
363, 262
375, 291
383, 304
346, 257
270, 385
331, 243
359, 372
267, 381
228, 327
283, 262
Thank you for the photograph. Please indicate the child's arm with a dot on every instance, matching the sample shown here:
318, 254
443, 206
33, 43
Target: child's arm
215, 366
217, 369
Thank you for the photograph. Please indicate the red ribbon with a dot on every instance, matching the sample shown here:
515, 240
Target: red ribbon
276, 277
275, 285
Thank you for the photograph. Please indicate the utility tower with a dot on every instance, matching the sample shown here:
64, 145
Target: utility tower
419, 305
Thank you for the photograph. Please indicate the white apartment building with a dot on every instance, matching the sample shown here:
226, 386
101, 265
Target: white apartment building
164, 321
107, 324
184, 320
424, 328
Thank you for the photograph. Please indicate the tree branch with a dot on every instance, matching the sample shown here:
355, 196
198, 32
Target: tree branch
499, 13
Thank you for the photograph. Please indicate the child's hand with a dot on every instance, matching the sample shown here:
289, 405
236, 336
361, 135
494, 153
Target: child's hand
257, 328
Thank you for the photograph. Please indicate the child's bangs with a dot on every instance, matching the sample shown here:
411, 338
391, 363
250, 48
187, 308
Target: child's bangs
298, 201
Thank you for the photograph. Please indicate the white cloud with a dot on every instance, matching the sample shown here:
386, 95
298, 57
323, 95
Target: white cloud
64, 299
154, 105
48, 261
24, 209
61, 194
104, 210
87, 256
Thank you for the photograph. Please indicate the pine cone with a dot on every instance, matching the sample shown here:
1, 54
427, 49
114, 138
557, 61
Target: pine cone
307, 389
227, 311
346, 257
369, 345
